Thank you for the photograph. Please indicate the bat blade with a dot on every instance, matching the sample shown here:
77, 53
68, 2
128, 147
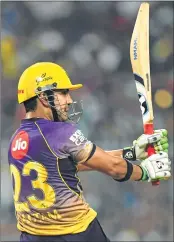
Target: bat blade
140, 60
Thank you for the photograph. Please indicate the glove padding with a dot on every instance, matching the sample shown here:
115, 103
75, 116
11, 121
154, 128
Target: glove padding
156, 167
139, 149
159, 139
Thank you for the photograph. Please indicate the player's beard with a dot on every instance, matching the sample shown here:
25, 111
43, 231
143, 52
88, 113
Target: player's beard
62, 113
71, 112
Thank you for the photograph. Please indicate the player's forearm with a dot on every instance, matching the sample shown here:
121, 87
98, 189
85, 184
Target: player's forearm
83, 167
121, 169
115, 152
114, 166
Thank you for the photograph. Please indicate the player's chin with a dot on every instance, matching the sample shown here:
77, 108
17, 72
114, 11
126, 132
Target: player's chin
63, 117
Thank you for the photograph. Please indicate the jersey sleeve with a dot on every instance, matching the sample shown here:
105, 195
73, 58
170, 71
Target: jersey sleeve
77, 145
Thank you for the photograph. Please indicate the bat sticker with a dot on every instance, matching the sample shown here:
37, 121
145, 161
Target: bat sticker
143, 104
135, 49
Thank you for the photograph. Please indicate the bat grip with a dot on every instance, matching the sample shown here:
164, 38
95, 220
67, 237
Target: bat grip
149, 129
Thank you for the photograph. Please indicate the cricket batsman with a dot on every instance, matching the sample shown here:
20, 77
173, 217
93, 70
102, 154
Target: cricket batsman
47, 151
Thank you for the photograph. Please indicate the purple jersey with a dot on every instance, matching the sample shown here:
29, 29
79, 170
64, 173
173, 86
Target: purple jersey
48, 197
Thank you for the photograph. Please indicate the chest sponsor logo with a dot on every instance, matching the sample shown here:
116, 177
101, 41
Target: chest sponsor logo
78, 138
20, 143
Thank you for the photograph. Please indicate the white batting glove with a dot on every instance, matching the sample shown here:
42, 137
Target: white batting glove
156, 167
139, 149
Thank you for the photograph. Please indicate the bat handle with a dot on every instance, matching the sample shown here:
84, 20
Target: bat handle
148, 129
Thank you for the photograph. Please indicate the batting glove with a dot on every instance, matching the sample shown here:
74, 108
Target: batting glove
156, 167
139, 149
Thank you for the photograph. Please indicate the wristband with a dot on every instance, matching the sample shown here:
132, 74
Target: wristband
144, 176
129, 172
129, 153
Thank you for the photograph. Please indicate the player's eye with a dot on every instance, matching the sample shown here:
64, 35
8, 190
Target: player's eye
64, 91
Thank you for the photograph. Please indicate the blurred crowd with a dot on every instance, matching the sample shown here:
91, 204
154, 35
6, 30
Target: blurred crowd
91, 41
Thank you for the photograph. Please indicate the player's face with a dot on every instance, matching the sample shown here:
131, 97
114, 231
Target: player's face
62, 100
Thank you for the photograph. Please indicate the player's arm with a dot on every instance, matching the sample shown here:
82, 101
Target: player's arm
84, 167
138, 150
122, 170
114, 166
85, 152
114, 152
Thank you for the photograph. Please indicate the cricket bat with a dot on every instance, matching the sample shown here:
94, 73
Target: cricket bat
140, 60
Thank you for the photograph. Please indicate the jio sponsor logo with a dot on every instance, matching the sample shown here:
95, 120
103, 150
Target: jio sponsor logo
20, 143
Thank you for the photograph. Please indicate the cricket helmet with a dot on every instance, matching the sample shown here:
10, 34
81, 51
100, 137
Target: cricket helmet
43, 76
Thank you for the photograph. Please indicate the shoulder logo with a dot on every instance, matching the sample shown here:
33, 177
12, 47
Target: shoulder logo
78, 138
19, 146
